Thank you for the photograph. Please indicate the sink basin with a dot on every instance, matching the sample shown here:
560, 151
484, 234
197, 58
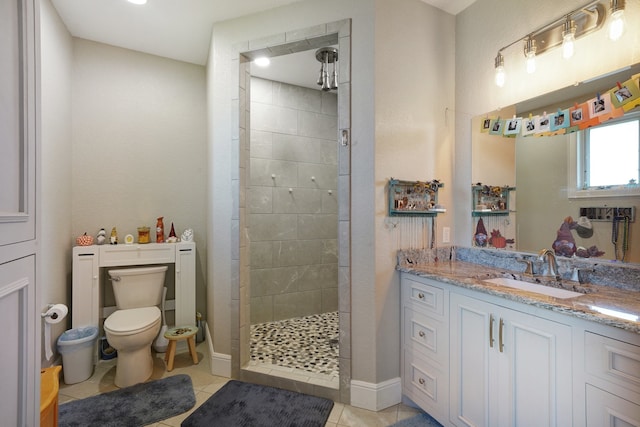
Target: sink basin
534, 287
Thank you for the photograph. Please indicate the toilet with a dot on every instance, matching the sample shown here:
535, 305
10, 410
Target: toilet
135, 324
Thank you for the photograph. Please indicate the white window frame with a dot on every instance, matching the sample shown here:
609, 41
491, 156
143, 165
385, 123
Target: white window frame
576, 168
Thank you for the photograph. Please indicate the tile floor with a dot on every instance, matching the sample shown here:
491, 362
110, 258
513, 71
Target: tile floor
302, 348
205, 385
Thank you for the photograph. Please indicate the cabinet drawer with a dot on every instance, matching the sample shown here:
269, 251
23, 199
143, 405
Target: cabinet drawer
424, 334
423, 296
608, 410
150, 253
425, 384
615, 361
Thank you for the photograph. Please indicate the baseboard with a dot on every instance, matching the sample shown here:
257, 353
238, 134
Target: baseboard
376, 397
220, 363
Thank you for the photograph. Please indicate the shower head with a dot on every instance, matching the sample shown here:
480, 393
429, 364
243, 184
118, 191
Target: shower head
326, 56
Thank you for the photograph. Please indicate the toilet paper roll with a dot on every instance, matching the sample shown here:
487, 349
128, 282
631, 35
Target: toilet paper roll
55, 314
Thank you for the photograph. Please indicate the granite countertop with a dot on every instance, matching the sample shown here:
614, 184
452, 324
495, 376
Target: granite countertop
624, 305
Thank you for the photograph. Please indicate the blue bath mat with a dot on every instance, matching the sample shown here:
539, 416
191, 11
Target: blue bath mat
138, 405
420, 420
241, 404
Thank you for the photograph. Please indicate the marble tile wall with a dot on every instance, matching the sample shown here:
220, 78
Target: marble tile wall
292, 201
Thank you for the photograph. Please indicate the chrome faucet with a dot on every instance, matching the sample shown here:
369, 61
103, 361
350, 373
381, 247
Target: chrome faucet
552, 264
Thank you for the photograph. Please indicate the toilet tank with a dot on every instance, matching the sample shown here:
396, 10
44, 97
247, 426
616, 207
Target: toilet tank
138, 287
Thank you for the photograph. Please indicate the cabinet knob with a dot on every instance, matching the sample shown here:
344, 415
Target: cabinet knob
421, 381
421, 295
421, 333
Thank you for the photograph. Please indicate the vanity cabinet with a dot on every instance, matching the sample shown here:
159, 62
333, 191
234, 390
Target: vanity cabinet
86, 296
508, 368
425, 344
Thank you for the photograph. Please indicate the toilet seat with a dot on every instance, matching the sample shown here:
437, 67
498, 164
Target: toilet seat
132, 321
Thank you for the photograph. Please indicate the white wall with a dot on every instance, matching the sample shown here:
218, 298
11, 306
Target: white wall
406, 48
488, 25
56, 166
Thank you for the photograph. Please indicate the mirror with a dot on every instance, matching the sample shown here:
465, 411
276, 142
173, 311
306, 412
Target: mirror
538, 168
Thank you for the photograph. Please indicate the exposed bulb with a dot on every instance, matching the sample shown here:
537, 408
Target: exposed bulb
500, 76
568, 45
531, 62
617, 24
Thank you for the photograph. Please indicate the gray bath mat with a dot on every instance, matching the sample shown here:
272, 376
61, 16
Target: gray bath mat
138, 405
420, 420
241, 404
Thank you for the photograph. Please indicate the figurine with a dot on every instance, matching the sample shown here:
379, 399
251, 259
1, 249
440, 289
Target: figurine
565, 244
101, 237
187, 235
114, 236
481, 234
172, 235
160, 230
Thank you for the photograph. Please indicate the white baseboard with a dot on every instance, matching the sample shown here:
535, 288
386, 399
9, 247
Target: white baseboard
376, 397
220, 363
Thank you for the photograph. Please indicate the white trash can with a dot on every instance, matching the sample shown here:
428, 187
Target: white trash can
76, 347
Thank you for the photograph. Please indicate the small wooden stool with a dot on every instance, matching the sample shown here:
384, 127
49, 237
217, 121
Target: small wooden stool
178, 334
49, 385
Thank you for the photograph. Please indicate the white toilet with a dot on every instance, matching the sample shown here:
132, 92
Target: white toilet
134, 325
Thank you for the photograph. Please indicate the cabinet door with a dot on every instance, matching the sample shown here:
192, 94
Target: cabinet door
536, 366
85, 293
185, 284
607, 410
472, 341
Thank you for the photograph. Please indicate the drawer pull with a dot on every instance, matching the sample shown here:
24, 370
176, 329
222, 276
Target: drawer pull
421, 333
421, 381
501, 330
421, 295
491, 319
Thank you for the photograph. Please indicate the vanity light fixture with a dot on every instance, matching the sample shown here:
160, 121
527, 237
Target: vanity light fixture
500, 75
530, 54
616, 23
563, 31
568, 37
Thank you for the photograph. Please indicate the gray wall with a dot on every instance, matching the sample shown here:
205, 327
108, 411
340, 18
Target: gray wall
292, 201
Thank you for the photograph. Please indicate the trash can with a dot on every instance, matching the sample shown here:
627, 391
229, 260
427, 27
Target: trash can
76, 347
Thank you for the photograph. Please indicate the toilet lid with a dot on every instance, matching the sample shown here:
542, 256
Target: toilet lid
132, 319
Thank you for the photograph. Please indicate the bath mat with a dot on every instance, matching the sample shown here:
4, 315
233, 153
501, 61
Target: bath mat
420, 420
243, 404
138, 405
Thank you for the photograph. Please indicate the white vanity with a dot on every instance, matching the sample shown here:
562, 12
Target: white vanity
474, 358
86, 299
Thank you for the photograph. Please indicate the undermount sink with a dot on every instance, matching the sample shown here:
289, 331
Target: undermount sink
534, 287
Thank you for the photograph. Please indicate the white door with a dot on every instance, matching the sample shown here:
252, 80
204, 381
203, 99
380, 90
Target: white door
19, 316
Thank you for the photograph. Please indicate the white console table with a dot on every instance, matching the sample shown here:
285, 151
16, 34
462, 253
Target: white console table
86, 294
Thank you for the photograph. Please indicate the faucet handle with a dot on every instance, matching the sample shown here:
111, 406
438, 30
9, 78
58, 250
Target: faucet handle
578, 276
529, 267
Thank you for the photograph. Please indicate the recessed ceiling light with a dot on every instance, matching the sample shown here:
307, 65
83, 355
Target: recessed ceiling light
137, 1
262, 61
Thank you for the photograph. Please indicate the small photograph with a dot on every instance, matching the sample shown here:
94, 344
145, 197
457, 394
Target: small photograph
624, 93
578, 114
485, 125
528, 126
513, 126
496, 127
544, 123
600, 105
560, 120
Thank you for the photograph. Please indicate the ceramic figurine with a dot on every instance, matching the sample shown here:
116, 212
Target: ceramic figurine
160, 230
481, 234
114, 236
84, 240
101, 237
172, 235
565, 244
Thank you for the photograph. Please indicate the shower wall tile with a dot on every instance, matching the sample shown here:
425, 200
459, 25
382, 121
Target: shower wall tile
313, 251
262, 91
329, 300
299, 200
312, 175
317, 125
273, 118
261, 144
260, 199
274, 281
318, 276
272, 227
329, 251
297, 97
261, 254
296, 304
329, 202
303, 149
285, 253
329, 103
322, 226
271, 173
261, 309
306, 33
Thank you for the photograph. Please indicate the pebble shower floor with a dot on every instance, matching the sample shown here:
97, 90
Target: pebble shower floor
307, 343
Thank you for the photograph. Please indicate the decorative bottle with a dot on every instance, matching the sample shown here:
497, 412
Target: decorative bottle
160, 230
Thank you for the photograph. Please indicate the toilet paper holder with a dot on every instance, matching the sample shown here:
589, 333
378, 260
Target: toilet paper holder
50, 313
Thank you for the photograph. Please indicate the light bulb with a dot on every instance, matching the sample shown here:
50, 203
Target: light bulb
568, 38
262, 61
530, 53
616, 26
499, 70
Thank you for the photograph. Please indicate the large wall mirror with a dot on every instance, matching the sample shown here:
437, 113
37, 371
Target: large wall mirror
541, 169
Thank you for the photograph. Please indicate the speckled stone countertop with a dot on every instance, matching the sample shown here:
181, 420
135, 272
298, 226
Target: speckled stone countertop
448, 269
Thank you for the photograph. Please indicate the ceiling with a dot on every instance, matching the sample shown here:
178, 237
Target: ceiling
181, 29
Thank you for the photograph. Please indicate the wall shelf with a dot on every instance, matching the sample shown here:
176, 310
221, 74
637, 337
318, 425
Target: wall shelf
414, 198
490, 200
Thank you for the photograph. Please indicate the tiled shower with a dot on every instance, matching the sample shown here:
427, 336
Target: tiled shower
293, 223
